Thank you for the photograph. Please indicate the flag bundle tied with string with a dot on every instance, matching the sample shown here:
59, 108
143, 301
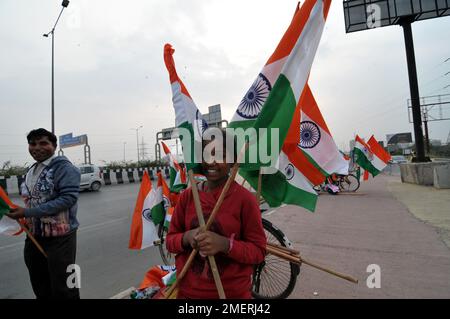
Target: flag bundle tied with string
149, 212
273, 102
8, 226
177, 181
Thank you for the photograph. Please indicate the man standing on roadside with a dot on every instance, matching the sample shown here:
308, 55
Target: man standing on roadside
50, 192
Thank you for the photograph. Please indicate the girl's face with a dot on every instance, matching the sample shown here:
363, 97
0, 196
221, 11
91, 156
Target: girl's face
215, 169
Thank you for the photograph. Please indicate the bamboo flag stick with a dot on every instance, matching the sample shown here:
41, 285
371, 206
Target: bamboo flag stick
300, 260
201, 220
258, 191
39, 247
285, 249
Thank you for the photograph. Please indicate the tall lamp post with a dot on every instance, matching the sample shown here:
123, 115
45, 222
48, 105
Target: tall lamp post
137, 140
64, 4
124, 143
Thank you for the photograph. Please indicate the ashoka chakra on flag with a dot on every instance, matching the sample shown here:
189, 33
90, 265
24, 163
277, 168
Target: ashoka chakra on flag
251, 104
309, 134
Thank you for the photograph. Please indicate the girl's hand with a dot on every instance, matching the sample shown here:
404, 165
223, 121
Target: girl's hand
210, 243
188, 238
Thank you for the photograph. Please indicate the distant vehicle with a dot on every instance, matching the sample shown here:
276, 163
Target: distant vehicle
91, 177
398, 159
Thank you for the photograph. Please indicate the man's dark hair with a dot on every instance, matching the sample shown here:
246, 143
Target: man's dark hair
41, 132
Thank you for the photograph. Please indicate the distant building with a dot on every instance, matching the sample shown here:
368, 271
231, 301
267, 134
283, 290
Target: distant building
214, 117
435, 142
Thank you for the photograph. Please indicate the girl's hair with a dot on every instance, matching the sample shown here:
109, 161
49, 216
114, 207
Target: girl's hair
229, 141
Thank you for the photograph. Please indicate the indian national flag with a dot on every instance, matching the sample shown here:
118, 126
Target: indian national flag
365, 158
311, 144
187, 115
381, 158
8, 226
272, 100
168, 218
177, 179
315, 137
277, 89
149, 212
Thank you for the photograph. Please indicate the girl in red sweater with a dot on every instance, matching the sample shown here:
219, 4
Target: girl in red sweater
236, 237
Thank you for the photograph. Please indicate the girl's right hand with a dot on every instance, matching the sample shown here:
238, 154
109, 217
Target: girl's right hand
188, 238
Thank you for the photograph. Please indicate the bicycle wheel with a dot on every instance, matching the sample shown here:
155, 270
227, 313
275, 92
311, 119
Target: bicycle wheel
349, 183
275, 277
166, 256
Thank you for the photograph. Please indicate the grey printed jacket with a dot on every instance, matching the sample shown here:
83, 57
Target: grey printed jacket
51, 206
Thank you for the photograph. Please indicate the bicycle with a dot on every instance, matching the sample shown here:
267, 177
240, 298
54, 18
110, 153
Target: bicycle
274, 278
167, 257
348, 183
345, 183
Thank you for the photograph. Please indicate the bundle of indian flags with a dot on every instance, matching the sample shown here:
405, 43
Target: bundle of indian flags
278, 99
370, 156
280, 95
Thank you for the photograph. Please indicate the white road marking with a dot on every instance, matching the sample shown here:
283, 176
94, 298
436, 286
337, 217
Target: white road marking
81, 229
99, 225
10, 246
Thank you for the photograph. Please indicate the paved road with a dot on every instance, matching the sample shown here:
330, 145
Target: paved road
107, 265
346, 233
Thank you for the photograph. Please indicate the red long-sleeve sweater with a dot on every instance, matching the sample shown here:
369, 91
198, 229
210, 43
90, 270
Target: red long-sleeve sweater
239, 214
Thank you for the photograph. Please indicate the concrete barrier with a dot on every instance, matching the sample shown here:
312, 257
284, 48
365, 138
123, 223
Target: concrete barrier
424, 173
441, 175
12, 184
392, 169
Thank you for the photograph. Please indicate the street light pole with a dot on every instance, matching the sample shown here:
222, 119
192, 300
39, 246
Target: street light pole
64, 4
124, 143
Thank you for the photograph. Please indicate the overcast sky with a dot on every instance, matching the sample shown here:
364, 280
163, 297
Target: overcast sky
110, 75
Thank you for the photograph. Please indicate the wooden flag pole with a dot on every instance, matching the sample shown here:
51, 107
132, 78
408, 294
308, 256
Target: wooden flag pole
39, 247
300, 260
285, 249
258, 191
201, 220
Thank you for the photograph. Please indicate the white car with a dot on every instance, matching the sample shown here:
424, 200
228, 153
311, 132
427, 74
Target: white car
91, 177
398, 159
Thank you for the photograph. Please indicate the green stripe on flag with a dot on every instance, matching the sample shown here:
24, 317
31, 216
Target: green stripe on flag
178, 188
157, 213
191, 162
280, 191
4, 208
364, 162
173, 175
277, 113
